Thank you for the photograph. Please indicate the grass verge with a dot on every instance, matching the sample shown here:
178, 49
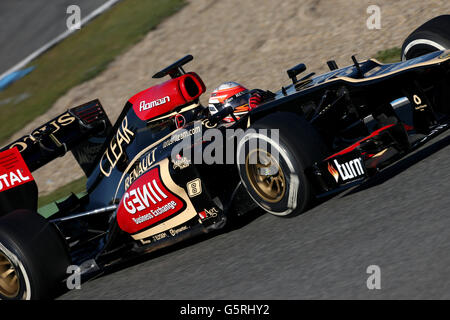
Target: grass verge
75, 186
389, 56
78, 58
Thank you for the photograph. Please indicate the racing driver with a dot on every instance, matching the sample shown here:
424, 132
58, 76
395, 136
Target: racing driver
242, 100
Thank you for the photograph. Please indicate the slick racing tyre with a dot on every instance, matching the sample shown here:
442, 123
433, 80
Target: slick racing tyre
272, 163
433, 35
33, 257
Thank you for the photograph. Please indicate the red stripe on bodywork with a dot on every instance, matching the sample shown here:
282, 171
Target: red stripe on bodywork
357, 144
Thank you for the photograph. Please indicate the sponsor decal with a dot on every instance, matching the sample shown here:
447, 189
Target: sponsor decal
181, 162
435, 131
13, 170
194, 188
115, 150
12, 179
379, 154
212, 109
154, 213
147, 202
142, 167
146, 241
372, 72
346, 171
182, 135
333, 172
49, 128
207, 214
180, 121
87, 152
418, 102
149, 105
175, 231
159, 236
208, 124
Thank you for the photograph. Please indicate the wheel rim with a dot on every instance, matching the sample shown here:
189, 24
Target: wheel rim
265, 175
9, 280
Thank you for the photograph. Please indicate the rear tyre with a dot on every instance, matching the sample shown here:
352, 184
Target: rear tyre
33, 257
273, 169
433, 35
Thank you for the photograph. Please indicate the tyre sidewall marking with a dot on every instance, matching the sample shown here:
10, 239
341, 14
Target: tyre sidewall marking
419, 42
294, 180
13, 258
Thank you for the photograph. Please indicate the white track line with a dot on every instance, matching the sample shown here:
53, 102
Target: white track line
59, 38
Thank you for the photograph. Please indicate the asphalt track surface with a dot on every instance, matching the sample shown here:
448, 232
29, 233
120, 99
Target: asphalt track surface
27, 25
399, 221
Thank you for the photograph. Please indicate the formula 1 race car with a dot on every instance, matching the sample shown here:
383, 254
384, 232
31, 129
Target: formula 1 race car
146, 190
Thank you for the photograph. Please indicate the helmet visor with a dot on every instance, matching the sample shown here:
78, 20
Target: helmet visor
239, 102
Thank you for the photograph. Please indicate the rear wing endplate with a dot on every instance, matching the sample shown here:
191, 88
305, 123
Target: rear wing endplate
82, 130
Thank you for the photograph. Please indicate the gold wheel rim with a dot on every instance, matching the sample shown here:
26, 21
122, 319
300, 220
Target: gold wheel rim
265, 175
9, 281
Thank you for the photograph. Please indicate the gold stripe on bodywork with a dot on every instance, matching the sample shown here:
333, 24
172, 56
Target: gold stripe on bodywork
190, 107
439, 59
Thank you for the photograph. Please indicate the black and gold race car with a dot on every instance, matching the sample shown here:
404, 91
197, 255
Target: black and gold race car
168, 170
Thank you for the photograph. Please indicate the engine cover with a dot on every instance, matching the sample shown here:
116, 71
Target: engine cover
166, 97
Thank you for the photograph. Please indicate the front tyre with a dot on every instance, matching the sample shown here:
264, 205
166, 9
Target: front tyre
434, 35
272, 157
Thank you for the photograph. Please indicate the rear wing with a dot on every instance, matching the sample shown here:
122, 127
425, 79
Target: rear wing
81, 130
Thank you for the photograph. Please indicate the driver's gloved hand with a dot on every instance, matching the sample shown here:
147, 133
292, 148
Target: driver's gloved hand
255, 100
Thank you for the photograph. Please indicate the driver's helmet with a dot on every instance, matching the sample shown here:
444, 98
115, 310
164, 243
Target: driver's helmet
229, 94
